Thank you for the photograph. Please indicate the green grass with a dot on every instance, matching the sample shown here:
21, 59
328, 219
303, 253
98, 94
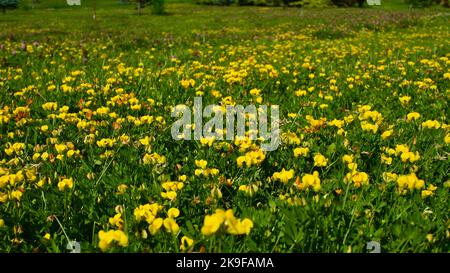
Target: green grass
319, 63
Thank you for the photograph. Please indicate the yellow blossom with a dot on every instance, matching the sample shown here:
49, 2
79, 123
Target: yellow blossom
320, 160
65, 183
108, 238
186, 243
201, 163
310, 181
173, 213
301, 151
171, 226
155, 226
412, 116
283, 176
116, 221
431, 124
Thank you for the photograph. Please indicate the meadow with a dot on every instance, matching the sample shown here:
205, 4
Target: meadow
86, 152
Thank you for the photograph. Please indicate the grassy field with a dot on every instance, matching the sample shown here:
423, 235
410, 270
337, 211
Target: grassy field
86, 152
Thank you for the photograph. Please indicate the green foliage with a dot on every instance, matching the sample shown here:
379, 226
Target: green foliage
314, 3
158, 7
348, 3
444, 3
221, 2
420, 3
275, 3
8, 4
351, 57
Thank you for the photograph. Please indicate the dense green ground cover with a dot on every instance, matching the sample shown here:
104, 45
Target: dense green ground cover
86, 150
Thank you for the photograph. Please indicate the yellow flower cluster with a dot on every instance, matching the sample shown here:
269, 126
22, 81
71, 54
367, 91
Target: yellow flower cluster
106, 142
401, 150
147, 212
226, 220
153, 159
291, 138
202, 170
186, 83
169, 222
383, 111
50, 106
111, 237
358, 178
207, 141
431, 124
429, 191
12, 178
283, 176
249, 189
409, 182
404, 100
366, 126
320, 160
292, 200
244, 144
251, 158
116, 221
311, 181
66, 183
16, 148
315, 123
301, 151
170, 189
